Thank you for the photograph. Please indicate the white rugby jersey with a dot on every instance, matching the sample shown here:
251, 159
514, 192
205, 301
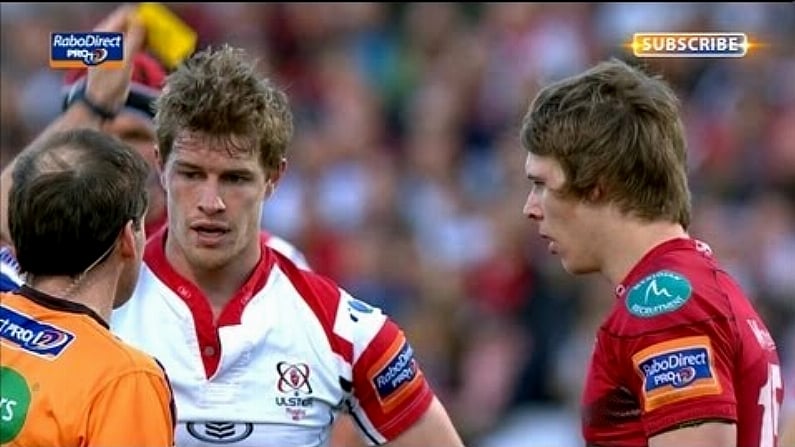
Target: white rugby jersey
285, 248
291, 350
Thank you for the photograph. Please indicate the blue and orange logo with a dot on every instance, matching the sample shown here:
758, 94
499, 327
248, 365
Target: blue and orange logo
80, 50
22, 332
676, 369
396, 374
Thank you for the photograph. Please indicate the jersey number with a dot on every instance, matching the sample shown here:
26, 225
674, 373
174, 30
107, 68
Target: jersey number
768, 401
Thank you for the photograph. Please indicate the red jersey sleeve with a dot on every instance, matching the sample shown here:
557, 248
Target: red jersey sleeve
682, 376
389, 389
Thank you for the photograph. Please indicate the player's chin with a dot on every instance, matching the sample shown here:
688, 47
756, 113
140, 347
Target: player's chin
209, 258
574, 267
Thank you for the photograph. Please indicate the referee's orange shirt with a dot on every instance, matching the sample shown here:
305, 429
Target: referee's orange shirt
65, 380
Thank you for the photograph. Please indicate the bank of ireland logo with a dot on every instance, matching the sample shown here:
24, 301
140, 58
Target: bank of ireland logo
80, 50
14, 403
659, 293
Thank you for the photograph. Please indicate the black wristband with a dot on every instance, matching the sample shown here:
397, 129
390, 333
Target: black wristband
79, 94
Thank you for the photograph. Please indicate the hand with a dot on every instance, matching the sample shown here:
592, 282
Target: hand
108, 88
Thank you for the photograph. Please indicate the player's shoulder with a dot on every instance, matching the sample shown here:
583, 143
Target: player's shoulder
322, 293
679, 286
286, 248
331, 304
76, 338
119, 358
306, 281
132, 359
117, 355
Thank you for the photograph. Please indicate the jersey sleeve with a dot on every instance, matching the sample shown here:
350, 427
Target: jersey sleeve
135, 409
389, 391
683, 375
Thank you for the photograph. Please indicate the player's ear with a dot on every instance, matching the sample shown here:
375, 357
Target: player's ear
162, 164
127, 238
596, 193
270, 188
273, 177
277, 173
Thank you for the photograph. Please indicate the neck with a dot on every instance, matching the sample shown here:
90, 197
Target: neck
629, 240
218, 283
96, 290
155, 220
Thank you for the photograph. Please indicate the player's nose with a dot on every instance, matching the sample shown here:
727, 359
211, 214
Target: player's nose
532, 207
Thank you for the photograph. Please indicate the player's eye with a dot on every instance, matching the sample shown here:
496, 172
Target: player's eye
235, 178
190, 175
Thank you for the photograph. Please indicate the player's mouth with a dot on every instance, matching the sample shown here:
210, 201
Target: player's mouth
209, 233
552, 247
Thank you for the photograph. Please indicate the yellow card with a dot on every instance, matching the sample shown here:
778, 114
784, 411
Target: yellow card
167, 36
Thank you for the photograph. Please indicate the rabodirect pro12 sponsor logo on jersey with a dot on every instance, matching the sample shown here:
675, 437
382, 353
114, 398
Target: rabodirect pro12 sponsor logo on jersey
676, 369
20, 331
396, 374
80, 50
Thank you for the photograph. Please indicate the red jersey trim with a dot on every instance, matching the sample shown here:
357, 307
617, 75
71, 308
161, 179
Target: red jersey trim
391, 415
197, 302
666, 419
681, 243
323, 298
391, 407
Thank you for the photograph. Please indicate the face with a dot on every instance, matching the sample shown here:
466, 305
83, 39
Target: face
214, 201
138, 131
567, 223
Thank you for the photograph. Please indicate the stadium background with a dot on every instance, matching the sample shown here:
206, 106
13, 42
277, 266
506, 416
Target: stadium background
405, 177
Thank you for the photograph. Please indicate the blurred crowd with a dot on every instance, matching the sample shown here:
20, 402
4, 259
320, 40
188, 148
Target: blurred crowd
405, 178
